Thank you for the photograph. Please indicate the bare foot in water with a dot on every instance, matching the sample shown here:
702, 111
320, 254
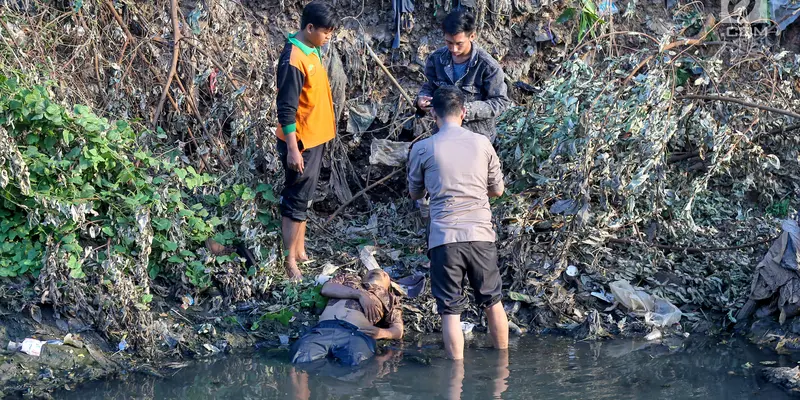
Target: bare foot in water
293, 272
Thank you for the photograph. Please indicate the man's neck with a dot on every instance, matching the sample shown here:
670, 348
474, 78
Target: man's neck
465, 58
301, 36
449, 123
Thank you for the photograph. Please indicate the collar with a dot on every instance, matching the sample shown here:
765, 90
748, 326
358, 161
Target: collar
473, 57
307, 50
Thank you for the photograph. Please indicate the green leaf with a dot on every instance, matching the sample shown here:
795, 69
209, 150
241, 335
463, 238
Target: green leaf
162, 224
169, 245
248, 194
181, 173
225, 198
567, 15
522, 297
147, 298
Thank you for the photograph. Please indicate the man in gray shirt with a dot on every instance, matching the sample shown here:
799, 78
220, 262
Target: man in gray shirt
460, 170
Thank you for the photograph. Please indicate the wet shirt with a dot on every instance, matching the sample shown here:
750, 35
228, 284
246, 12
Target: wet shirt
457, 168
391, 312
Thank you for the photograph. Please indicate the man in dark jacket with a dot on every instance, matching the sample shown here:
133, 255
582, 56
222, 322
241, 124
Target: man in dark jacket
463, 64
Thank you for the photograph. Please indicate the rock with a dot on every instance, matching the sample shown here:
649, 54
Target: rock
787, 378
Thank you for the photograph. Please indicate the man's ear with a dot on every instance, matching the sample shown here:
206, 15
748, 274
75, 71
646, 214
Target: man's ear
472, 36
463, 113
309, 28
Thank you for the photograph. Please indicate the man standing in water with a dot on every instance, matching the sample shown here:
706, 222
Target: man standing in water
460, 170
465, 65
306, 122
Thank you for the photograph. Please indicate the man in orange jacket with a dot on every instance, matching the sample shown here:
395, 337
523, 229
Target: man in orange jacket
306, 122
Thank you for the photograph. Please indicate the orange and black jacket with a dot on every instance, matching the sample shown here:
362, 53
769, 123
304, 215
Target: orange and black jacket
304, 102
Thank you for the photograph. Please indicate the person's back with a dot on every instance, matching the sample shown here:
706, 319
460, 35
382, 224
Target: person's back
460, 171
459, 166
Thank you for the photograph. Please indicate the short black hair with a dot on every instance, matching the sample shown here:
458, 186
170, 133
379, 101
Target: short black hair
447, 101
457, 22
319, 14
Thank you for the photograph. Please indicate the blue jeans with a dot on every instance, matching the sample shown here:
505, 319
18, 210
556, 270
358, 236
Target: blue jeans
337, 339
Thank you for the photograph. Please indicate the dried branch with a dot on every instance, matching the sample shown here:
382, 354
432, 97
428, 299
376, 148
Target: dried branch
175, 54
692, 250
739, 101
360, 193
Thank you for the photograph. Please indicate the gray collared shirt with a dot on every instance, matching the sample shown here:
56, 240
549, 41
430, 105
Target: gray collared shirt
458, 168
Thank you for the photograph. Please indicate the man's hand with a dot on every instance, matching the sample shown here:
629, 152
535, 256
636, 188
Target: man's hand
372, 308
295, 160
424, 103
374, 332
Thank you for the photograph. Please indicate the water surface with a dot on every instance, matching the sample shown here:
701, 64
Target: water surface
542, 367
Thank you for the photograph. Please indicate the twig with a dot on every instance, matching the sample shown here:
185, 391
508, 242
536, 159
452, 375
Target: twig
359, 194
128, 35
219, 66
692, 250
687, 42
175, 53
776, 131
739, 101
388, 74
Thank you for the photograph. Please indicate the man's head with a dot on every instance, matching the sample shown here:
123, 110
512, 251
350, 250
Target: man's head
377, 277
459, 32
318, 23
448, 106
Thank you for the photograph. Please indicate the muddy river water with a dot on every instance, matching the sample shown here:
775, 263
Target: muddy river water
536, 367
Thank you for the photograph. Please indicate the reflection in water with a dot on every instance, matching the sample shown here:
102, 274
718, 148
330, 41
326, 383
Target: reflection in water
534, 367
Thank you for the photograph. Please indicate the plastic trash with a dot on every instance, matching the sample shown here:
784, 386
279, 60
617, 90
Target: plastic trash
607, 8
411, 285
572, 271
657, 311
602, 295
327, 273
785, 12
654, 335
368, 258
284, 339
664, 313
388, 152
32, 347
634, 300
123, 344
467, 327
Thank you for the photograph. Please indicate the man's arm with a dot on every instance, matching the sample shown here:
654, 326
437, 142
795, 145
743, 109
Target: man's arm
429, 86
290, 84
393, 332
495, 184
496, 101
336, 290
416, 176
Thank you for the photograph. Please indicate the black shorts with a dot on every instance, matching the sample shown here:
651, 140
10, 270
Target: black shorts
336, 339
450, 263
298, 189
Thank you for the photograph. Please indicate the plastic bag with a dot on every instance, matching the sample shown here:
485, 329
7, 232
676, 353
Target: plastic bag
657, 311
634, 300
664, 314
387, 152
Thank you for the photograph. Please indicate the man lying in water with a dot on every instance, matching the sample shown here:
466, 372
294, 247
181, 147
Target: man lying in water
359, 311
